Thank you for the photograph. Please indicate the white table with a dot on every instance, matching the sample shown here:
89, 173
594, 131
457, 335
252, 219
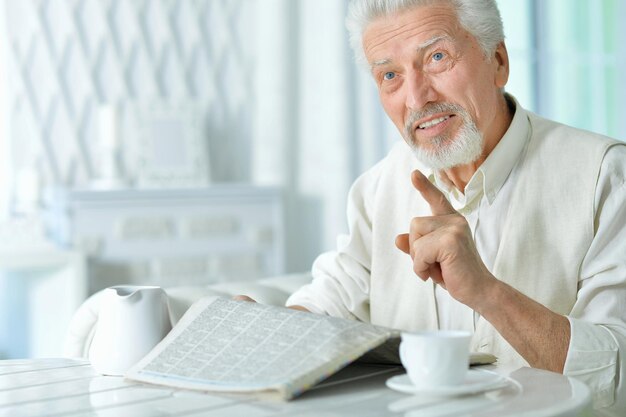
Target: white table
65, 387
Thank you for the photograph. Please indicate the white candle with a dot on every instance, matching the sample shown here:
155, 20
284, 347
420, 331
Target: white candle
108, 126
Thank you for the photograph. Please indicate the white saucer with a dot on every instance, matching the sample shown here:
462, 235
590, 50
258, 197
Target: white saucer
476, 381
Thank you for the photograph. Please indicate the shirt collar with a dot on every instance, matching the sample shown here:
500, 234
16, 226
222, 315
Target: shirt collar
504, 157
492, 173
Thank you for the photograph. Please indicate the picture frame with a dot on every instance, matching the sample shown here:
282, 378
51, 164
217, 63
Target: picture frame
171, 148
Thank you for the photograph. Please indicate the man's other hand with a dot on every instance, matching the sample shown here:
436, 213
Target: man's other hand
241, 297
442, 248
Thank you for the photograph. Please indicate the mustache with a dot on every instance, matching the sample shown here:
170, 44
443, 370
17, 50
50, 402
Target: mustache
430, 110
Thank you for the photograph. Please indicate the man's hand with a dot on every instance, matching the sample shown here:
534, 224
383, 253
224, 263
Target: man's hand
442, 248
241, 297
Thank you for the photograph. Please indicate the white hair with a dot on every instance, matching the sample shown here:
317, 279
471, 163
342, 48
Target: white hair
481, 18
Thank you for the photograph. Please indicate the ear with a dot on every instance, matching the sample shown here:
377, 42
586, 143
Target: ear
501, 61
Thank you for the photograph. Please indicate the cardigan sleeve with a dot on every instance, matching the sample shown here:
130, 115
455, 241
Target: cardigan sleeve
597, 350
341, 278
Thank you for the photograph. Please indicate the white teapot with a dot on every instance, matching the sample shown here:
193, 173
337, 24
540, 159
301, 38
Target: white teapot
131, 321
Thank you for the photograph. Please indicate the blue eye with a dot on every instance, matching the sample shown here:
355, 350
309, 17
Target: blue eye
389, 75
438, 56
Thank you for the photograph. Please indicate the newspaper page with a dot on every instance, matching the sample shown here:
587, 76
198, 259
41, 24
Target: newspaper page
386, 353
235, 346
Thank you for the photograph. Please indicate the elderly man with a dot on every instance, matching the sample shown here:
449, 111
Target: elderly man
505, 224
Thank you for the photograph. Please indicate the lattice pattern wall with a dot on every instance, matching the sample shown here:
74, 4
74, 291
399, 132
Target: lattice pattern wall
67, 57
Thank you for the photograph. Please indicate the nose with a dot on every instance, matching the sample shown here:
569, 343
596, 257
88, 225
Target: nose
420, 91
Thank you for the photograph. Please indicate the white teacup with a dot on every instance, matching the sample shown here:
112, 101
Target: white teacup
435, 358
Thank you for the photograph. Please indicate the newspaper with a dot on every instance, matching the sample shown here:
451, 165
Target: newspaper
234, 346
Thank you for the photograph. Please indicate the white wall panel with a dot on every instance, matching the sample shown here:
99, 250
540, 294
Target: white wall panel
70, 56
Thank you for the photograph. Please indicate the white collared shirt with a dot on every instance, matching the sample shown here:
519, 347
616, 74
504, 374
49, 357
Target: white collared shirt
484, 205
597, 350
592, 354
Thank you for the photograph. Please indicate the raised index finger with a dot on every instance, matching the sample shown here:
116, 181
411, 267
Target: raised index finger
439, 204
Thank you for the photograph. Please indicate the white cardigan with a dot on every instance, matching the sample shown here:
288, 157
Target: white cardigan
546, 235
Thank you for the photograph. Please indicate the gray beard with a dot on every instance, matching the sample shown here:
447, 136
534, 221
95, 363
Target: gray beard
446, 152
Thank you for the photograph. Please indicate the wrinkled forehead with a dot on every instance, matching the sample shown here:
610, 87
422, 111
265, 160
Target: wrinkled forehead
417, 28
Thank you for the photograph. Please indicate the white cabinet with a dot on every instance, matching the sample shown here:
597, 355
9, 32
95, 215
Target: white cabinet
41, 286
171, 237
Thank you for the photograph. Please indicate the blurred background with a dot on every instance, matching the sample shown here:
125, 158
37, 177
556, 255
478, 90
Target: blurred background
186, 142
